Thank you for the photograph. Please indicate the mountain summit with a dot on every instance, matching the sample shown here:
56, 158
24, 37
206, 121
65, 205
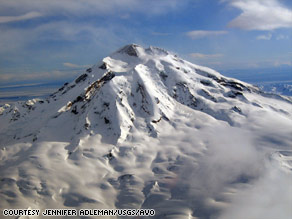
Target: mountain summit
144, 128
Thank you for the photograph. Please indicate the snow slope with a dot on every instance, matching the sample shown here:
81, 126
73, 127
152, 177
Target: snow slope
146, 129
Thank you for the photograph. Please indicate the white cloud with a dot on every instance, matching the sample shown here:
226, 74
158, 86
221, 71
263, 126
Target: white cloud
261, 15
27, 16
264, 37
197, 34
72, 65
205, 56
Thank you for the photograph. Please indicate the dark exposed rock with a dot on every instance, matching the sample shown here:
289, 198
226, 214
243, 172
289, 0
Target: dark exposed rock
61, 88
69, 104
207, 95
109, 156
163, 75
183, 95
206, 74
206, 82
157, 100
79, 99
81, 78
97, 84
233, 84
103, 66
234, 94
106, 104
224, 82
106, 121
156, 121
89, 70
236, 109
131, 50
16, 115
86, 126
142, 91
107, 77
165, 118
74, 110
125, 177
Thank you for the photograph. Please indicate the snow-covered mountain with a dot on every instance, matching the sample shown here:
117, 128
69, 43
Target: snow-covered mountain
146, 129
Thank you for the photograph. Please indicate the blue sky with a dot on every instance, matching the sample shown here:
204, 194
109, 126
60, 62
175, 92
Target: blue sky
53, 40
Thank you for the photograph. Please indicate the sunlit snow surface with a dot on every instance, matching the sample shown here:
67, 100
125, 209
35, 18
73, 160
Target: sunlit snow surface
146, 129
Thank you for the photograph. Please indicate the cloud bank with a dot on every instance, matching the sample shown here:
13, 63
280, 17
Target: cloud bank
261, 15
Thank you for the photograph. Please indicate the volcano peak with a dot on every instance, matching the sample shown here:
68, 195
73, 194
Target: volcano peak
130, 49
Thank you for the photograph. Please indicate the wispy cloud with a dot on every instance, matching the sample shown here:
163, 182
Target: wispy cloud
264, 37
160, 34
39, 76
27, 16
282, 37
197, 34
81, 8
205, 56
261, 15
72, 65
12, 39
